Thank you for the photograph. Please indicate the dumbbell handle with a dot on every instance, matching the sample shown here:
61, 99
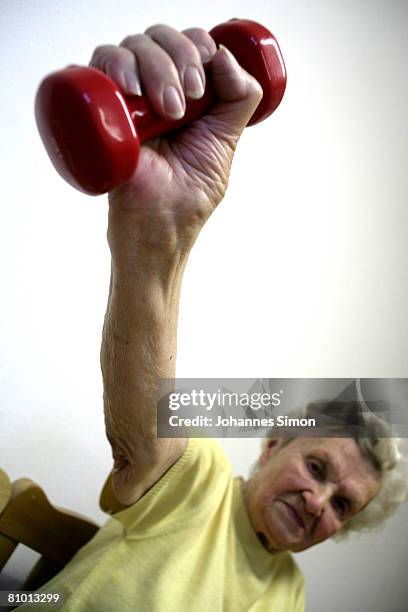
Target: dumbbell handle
149, 124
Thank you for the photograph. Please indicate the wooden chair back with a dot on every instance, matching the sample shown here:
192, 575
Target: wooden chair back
27, 517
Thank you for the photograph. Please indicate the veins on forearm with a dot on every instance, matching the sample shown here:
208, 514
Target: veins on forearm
138, 348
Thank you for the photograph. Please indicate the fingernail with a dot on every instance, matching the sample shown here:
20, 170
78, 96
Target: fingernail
231, 63
131, 83
204, 52
193, 84
227, 53
173, 106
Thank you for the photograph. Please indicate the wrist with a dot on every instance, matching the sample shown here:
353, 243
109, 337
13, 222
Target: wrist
151, 236
145, 272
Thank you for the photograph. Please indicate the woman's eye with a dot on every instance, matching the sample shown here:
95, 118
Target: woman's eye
341, 506
316, 470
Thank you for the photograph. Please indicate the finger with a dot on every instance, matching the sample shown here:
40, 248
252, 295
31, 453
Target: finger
185, 56
120, 65
237, 91
203, 41
159, 76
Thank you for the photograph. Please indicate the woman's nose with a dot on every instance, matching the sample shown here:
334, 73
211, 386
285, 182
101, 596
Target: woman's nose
315, 501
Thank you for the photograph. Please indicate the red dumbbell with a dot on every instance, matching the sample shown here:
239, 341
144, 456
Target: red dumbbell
92, 132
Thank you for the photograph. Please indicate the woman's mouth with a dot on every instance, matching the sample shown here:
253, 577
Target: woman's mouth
283, 529
294, 515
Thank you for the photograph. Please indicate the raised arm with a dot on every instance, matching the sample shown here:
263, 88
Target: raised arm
154, 220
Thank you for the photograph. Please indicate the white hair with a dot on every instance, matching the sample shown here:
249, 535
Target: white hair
389, 456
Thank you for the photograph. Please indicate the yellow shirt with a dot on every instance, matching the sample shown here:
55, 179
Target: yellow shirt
186, 546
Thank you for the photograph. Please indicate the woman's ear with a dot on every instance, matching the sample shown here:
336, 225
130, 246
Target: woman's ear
269, 449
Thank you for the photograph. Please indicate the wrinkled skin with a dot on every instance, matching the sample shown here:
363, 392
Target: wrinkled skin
306, 490
154, 220
181, 177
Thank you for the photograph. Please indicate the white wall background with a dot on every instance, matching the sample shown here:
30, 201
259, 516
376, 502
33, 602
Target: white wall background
301, 272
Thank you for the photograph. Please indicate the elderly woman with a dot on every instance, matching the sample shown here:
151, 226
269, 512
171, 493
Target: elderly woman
190, 537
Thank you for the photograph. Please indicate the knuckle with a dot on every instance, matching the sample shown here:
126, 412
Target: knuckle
196, 32
100, 58
98, 53
100, 49
178, 46
110, 57
133, 40
155, 29
202, 37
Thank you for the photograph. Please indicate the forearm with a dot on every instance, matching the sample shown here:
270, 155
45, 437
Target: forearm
138, 347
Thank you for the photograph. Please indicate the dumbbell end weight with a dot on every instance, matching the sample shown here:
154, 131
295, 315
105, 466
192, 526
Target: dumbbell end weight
92, 132
86, 129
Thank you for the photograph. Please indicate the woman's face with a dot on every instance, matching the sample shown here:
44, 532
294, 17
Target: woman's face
307, 489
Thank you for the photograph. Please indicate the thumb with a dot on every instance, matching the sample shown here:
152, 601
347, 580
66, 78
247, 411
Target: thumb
238, 94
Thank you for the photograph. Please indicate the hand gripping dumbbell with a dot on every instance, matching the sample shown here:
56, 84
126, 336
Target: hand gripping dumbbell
92, 132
